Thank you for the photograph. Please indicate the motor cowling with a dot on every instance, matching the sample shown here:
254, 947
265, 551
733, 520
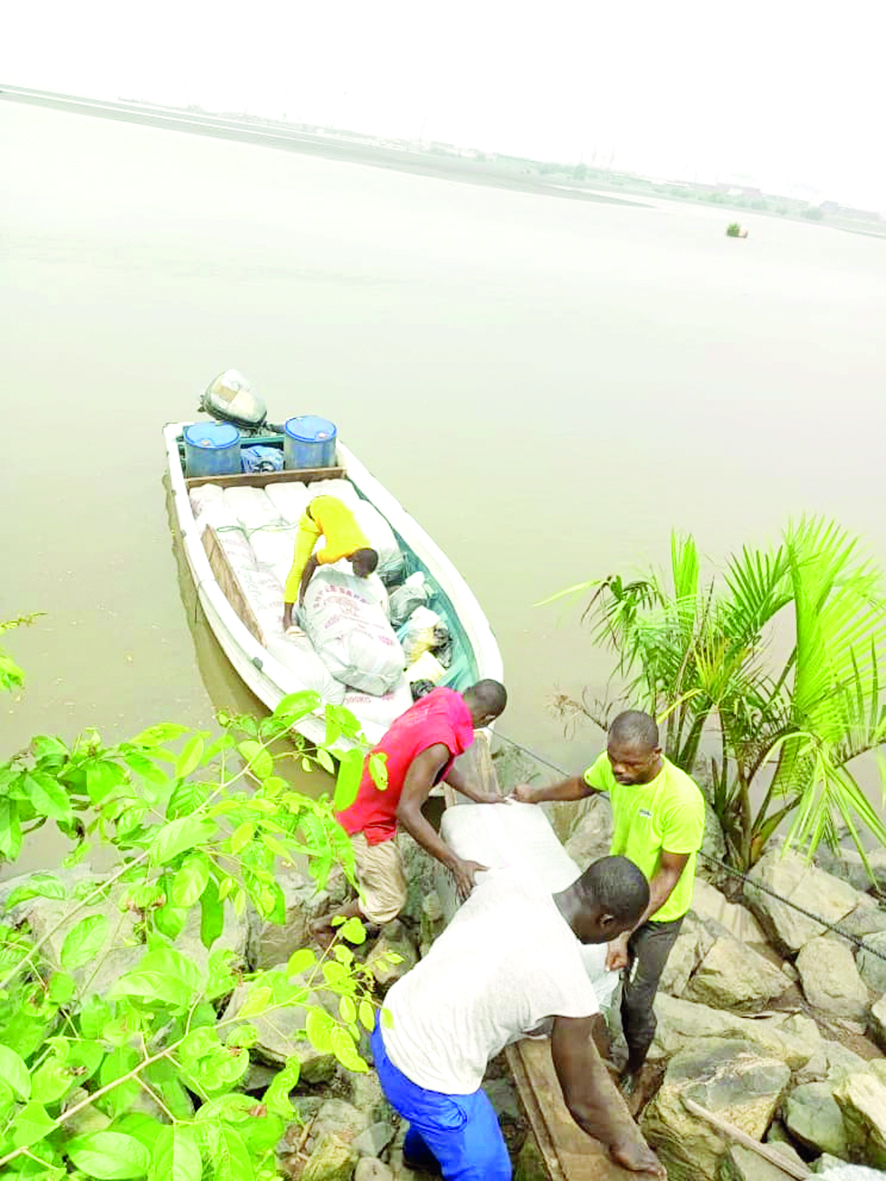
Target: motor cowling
230, 398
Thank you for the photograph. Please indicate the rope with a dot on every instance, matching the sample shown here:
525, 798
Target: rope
754, 885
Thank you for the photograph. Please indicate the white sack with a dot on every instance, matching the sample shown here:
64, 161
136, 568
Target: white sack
297, 654
289, 499
376, 714
350, 633
203, 495
342, 490
251, 506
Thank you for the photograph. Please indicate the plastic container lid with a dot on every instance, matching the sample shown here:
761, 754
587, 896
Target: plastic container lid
212, 435
308, 428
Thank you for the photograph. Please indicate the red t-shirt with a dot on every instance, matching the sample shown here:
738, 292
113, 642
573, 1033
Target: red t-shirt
442, 716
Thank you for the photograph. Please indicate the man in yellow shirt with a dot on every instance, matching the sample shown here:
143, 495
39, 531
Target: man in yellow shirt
331, 519
658, 823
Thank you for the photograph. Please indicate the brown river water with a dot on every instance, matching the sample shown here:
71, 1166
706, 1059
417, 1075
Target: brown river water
548, 386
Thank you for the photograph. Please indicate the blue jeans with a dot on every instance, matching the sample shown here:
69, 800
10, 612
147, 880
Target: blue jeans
457, 1133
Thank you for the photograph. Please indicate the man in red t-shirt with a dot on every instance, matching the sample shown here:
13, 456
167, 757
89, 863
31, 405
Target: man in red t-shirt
421, 747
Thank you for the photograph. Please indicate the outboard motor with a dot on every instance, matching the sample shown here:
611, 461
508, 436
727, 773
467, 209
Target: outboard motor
230, 398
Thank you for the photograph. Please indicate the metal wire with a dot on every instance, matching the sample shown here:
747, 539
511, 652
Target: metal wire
754, 885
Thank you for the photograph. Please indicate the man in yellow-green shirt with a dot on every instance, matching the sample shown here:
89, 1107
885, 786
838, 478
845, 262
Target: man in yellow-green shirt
329, 518
658, 817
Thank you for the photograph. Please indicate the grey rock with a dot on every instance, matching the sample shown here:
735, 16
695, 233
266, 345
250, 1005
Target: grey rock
877, 1022
692, 945
270, 944
870, 965
368, 1097
374, 1140
590, 832
842, 1061
868, 918
369, 1169
502, 1095
794, 878
339, 1118
862, 1100
393, 940
733, 976
283, 1036
741, 1164
710, 905
728, 1078
830, 978
825, 1162
421, 875
848, 865
330, 1160
792, 1039
814, 1119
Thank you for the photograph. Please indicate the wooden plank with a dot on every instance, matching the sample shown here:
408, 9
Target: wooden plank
227, 579
306, 475
476, 764
733, 1133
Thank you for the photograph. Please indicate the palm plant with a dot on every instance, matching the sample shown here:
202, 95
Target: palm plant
765, 678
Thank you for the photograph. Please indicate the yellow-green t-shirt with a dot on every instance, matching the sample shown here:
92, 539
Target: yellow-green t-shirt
665, 814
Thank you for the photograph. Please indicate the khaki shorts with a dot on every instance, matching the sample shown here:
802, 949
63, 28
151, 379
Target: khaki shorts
381, 878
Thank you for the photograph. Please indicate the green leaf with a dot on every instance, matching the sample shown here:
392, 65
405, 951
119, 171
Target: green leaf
84, 941
212, 914
186, 798
61, 989
319, 1026
176, 1156
157, 735
162, 975
14, 1072
242, 836
102, 778
347, 1009
229, 1155
300, 961
347, 784
353, 930
259, 761
342, 1045
367, 1015
38, 885
276, 1096
10, 829
180, 835
256, 1002
378, 769
52, 1081
117, 1064
109, 1155
190, 881
297, 705
170, 920
143, 766
189, 759
324, 758
47, 796
30, 1125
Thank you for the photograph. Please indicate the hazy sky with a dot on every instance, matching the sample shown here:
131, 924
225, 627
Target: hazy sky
788, 93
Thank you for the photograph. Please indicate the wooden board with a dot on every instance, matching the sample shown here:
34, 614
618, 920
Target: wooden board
226, 577
306, 475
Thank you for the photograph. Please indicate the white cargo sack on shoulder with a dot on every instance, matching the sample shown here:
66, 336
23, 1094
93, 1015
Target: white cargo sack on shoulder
350, 634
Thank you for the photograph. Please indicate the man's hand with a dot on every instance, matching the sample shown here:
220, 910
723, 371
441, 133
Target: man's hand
490, 797
523, 794
463, 872
617, 954
287, 616
638, 1157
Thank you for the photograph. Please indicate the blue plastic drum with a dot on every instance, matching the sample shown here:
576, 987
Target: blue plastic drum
212, 449
308, 441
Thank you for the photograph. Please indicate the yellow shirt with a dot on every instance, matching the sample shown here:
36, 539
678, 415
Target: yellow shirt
666, 814
327, 517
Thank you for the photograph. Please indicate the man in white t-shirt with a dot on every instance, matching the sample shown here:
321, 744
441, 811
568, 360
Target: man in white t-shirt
508, 960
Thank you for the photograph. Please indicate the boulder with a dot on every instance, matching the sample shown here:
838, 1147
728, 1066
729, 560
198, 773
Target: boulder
270, 944
814, 1119
830, 978
871, 965
368, 1097
868, 918
741, 1164
374, 1140
282, 1036
691, 946
369, 1169
338, 1118
862, 1099
393, 939
590, 833
421, 871
733, 976
709, 904
713, 849
877, 1022
331, 1160
792, 1039
730, 1079
847, 864
791, 876
842, 1061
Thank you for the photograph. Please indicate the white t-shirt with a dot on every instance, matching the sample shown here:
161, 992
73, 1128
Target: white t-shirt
507, 960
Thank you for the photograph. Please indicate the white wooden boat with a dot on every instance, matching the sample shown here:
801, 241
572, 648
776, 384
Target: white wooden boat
230, 616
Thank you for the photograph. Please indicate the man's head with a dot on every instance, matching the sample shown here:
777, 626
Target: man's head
486, 700
608, 898
632, 747
364, 562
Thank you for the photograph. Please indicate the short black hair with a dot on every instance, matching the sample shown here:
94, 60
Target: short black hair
635, 728
618, 886
491, 695
369, 558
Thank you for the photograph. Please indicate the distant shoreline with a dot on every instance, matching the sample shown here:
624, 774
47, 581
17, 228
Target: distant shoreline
341, 149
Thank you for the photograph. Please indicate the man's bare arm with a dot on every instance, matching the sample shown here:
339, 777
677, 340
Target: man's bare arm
306, 575
665, 878
420, 778
573, 788
593, 1099
457, 780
